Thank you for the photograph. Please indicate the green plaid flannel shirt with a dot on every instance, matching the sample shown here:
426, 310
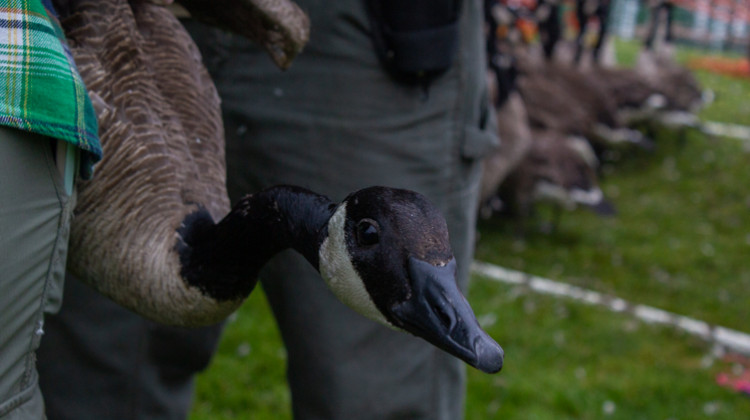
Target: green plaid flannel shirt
40, 88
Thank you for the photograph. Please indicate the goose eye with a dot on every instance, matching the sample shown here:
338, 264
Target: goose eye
367, 232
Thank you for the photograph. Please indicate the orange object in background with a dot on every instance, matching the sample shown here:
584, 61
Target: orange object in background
736, 67
528, 29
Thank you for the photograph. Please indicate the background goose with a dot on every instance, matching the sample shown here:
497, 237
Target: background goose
683, 95
657, 92
515, 135
559, 169
513, 129
626, 87
563, 99
144, 232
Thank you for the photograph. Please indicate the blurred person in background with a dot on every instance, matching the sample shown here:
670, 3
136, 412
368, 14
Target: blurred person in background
585, 10
655, 11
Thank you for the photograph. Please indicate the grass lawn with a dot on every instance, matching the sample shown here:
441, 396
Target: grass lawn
680, 242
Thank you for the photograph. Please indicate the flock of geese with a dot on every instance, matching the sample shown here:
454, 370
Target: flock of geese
557, 120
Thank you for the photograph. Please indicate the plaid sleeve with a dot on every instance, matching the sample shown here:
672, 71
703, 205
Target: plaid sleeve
40, 88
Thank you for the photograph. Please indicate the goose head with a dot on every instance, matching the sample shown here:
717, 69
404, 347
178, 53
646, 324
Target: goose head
562, 170
387, 256
383, 252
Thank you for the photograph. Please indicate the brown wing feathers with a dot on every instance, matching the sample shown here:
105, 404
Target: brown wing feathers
162, 137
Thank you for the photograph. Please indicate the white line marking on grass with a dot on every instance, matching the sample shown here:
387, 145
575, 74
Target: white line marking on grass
741, 132
732, 339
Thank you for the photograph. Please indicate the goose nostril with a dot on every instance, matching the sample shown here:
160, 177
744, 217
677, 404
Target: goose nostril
445, 317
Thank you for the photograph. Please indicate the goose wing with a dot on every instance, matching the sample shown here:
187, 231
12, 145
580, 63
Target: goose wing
162, 136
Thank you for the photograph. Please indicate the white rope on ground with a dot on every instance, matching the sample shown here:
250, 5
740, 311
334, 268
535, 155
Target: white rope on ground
740, 132
731, 339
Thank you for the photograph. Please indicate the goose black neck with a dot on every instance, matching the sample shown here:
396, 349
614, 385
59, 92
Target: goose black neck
223, 259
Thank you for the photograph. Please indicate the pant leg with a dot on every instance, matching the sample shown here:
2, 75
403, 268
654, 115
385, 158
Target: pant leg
669, 11
653, 26
35, 214
551, 30
602, 13
582, 18
101, 361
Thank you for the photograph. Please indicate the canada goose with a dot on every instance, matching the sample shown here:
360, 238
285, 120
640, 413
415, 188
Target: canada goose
144, 231
548, 105
639, 102
679, 85
627, 88
558, 168
514, 132
561, 98
657, 92
510, 111
515, 135
505, 102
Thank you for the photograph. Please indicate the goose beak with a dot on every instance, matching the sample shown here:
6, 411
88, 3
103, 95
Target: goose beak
439, 313
603, 208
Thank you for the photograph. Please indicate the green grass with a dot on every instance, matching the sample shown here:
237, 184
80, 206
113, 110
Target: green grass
566, 360
680, 242
247, 373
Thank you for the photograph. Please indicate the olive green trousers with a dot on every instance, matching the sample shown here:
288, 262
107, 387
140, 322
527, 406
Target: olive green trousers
35, 211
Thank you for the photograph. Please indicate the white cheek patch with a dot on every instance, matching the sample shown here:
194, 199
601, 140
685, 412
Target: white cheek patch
590, 197
547, 191
340, 275
581, 146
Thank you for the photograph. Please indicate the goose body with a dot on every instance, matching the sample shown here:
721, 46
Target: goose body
656, 91
559, 169
625, 86
154, 230
515, 138
677, 83
566, 100
554, 101
680, 92
515, 135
